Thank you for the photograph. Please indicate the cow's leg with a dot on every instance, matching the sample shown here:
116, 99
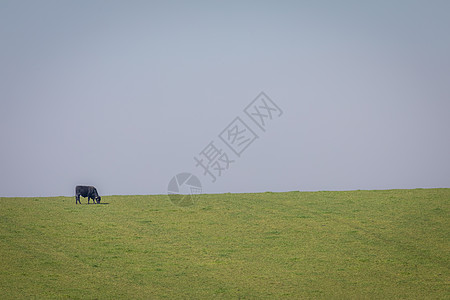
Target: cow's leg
77, 199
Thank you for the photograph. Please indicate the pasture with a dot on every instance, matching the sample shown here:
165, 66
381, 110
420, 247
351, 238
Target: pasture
356, 244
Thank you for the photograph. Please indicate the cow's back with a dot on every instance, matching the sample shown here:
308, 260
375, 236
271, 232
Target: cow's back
82, 190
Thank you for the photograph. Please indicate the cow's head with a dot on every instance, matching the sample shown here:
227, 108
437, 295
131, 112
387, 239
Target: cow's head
98, 198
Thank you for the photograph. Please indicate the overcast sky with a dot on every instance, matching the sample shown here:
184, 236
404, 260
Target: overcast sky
124, 94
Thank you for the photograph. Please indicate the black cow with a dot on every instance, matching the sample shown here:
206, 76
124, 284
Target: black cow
86, 191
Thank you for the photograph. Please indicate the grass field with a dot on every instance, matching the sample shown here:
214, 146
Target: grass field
358, 244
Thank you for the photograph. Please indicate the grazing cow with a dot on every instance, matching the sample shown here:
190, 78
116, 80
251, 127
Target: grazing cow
86, 191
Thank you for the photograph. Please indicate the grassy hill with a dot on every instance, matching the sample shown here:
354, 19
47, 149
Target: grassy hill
357, 244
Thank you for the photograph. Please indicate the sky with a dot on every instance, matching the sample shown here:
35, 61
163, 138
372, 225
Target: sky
124, 95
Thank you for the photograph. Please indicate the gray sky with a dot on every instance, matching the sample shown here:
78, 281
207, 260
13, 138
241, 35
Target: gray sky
123, 94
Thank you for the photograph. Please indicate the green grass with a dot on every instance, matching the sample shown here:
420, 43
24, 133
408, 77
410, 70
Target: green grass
358, 244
